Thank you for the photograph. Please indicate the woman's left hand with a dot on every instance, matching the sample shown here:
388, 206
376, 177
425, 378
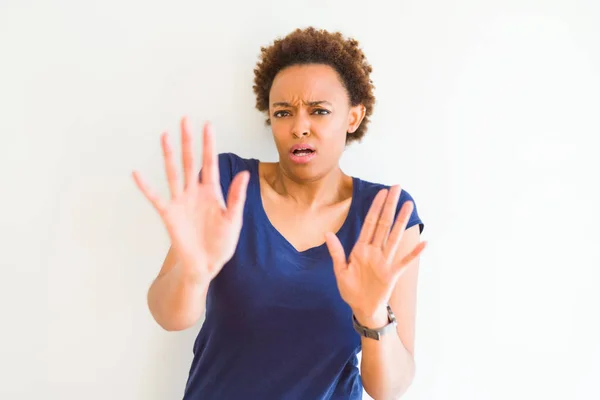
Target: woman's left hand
367, 278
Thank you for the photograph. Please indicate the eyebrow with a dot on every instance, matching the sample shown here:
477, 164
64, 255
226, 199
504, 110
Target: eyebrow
310, 103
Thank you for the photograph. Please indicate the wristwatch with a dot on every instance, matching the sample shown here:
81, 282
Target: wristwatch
376, 333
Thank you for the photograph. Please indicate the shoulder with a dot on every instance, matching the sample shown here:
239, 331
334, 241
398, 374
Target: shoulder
230, 164
366, 192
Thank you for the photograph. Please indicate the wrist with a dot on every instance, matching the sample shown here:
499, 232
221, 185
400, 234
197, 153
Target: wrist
192, 275
372, 320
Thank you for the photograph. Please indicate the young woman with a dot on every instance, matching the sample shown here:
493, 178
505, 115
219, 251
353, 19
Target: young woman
298, 265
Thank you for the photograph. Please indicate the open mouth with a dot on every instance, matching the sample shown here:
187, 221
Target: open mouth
302, 152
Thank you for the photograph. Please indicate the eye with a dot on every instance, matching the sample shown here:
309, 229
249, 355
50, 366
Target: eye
281, 113
321, 111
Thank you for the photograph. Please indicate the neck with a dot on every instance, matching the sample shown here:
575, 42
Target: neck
322, 191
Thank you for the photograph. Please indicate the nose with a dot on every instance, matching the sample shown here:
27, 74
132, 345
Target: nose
305, 133
301, 126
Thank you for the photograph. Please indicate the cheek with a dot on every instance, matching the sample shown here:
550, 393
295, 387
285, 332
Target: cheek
332, 128
281, 133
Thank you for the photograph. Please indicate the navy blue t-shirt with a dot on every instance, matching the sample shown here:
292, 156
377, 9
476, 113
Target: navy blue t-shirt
276, 326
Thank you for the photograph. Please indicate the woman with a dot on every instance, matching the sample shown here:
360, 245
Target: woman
286, 310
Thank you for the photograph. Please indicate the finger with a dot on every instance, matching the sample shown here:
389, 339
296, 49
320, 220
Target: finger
387, 217
148, 192
170, 168
336, 250
395, 237
210, 165
410, 257
366, 233
236, 198
187, 153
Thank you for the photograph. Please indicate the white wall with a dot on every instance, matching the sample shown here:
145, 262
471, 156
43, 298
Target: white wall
487, 113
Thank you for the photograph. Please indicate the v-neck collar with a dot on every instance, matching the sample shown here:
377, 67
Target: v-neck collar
255, 191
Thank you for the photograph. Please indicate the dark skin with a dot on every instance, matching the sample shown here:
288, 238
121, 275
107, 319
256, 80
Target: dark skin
382, 267
308, 104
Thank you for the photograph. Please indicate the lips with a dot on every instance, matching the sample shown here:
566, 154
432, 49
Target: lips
302, 153
302, 149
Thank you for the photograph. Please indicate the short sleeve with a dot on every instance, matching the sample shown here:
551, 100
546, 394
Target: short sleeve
373, 189
415, 219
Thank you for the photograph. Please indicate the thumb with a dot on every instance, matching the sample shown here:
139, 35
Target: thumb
336, 250
236, 197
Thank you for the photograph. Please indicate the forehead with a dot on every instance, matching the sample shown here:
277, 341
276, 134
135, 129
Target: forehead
308, 83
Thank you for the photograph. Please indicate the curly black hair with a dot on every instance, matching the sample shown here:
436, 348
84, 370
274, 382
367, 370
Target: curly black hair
313, 46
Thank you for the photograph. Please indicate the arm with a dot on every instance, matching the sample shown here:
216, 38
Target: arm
177, 299
203, 230
387, 365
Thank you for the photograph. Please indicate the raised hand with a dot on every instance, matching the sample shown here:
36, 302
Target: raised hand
204, 231
367, 278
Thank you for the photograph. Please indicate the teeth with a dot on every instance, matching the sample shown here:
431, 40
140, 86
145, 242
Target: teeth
302, 153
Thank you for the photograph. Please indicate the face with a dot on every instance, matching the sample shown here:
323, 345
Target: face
310, 114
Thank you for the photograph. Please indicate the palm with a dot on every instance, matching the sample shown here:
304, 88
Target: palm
367, 279
203, 230
199, 227
368, 272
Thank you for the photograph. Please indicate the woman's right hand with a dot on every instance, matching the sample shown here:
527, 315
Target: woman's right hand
204, 231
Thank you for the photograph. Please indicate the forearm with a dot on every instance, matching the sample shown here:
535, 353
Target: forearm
177, 299
387, 368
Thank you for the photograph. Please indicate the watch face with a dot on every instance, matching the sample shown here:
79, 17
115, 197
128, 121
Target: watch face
391, 315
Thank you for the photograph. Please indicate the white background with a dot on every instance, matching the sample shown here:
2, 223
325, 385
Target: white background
487, 113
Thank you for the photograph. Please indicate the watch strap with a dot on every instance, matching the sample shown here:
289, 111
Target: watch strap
376, 333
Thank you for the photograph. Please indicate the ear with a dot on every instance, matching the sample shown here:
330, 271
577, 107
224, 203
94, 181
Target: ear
355, 117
